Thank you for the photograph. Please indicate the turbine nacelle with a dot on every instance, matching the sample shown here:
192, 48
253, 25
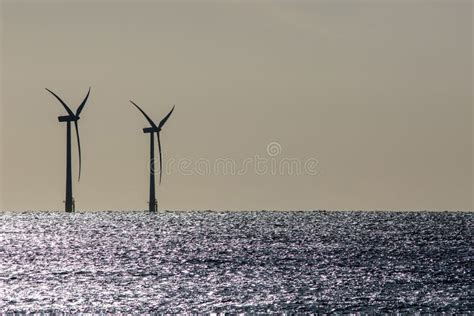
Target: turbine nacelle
68, 118
151, 130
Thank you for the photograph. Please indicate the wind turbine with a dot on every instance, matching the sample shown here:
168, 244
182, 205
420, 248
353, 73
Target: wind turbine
152, 205
71, 117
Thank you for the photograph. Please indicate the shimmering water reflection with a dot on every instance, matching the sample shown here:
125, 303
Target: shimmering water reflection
236, 262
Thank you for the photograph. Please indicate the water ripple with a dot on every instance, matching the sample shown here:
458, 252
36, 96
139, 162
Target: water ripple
236, 262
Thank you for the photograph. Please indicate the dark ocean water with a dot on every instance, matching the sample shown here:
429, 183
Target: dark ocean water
236, 262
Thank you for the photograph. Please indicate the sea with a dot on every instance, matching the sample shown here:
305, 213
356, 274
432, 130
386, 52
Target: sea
237, 262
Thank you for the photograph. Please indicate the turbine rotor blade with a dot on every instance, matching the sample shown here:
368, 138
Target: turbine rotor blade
79, 109
163, 121
78, 147
161, 157
146, 116
62, 102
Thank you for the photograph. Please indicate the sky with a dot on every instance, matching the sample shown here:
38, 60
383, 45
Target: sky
306, 105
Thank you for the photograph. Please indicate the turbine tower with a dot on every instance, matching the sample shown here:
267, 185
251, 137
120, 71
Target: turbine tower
71, 117
152, 204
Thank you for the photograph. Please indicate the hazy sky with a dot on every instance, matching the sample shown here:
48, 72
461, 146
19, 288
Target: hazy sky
379, 93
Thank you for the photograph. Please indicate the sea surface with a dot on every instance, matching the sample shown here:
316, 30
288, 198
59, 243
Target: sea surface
210, 261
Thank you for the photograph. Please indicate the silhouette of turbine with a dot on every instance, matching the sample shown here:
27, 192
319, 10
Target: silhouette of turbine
152, 204
71, 117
